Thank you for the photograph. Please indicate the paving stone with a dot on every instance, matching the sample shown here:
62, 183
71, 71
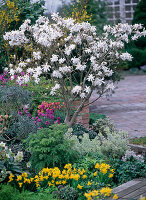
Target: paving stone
126, 107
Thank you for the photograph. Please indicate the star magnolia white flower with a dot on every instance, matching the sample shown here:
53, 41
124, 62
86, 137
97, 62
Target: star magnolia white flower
87, 89
19, 69
96, 67
6, 69
75, 60
65, 69
28, 60
38, 70
110, 86
98, 82
56, 74
126, 56
91, 77
93, 59
30, 71
83, 95
37, 55
77, 89
10, 65
69, 49
12, 71
61, 60
54, 58
80, 67
88, 50
46, 67
22, 64
54, 89
37, 80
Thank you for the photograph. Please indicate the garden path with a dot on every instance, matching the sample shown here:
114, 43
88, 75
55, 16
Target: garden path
127, 106
131, 190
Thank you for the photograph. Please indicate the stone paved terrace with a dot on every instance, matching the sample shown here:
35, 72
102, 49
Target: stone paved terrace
127, 106
131, 190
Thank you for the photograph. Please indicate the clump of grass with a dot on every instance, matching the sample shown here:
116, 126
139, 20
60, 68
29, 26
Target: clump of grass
139, 141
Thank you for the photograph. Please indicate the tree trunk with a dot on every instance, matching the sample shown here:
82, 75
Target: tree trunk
81, 115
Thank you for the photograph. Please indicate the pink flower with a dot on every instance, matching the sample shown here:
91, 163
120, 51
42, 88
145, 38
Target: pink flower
39, 120
19, 113
47, 123
29, 115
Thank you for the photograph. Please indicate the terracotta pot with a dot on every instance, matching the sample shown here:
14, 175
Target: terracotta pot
83, 116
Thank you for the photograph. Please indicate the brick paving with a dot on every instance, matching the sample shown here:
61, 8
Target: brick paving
127, 106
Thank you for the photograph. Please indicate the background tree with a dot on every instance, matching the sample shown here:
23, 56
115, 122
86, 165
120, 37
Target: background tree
138, 48
87, 10
98, 12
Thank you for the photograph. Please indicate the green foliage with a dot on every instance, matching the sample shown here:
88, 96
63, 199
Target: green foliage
97, 11
128, 170
115, 144
107, 140
94, 117
139, 56
140, 13
21, 127
101, 126
13, 98
87, 146
139, 141
29, 10
50, 148
79, 130
138, 48
88, 162
7, 192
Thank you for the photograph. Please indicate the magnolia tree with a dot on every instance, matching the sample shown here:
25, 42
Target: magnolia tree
77, 60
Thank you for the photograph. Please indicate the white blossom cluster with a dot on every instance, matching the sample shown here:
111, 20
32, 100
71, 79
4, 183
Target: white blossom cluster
132, 154
8, 154
18, 157
66, 49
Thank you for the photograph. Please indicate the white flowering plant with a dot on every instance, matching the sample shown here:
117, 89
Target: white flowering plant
9, 162
72, 55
